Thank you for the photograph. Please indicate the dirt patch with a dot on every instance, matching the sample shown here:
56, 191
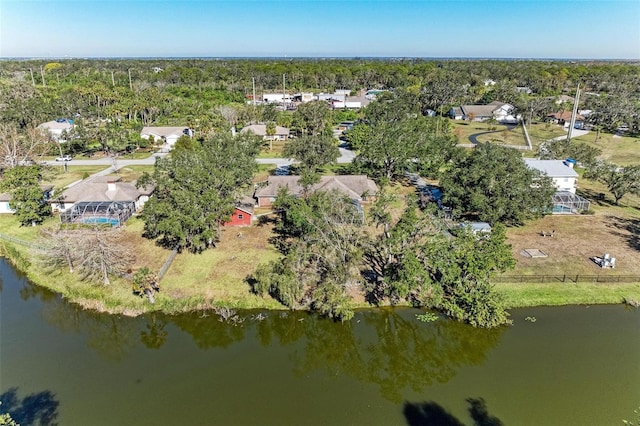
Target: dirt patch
576, 240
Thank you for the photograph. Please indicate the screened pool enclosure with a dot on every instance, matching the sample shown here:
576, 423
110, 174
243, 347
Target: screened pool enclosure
567, 202
114, 213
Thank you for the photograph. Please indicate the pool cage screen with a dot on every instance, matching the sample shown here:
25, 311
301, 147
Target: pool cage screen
567, 202
113, 213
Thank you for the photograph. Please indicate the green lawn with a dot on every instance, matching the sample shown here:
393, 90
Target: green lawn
499, 133
540, 132
552, 294
56, 176
623, 151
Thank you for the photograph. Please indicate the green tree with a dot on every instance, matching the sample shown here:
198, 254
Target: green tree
493, 183
312, 152
562, 149
321, 237
619, 180
186, 143
27, 199
358, 136
196, 191
415, 261
312, 118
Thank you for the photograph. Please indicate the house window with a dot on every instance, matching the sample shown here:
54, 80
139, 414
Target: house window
240, 216
566, 179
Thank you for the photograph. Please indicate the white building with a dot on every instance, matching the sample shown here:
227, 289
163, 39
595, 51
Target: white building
56, 127
560, 171
276, 98
168, 135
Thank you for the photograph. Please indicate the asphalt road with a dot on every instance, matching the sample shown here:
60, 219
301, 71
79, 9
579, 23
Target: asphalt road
346, 156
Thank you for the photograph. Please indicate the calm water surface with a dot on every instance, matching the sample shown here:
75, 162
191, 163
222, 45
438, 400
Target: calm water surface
572, 366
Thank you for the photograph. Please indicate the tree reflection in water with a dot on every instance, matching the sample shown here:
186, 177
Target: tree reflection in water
386, 347
432, 413
34, 409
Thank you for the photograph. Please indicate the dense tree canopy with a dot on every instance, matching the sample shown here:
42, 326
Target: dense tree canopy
417, 261
22, 183
395, 138
321, 237
196, 190
493, 183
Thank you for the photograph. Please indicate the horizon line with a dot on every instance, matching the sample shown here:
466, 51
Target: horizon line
67, 57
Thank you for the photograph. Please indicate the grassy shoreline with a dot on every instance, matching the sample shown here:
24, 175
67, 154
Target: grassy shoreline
117, 299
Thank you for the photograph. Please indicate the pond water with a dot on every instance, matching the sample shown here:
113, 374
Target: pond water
554, 366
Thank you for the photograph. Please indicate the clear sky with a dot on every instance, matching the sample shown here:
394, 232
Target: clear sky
580, 29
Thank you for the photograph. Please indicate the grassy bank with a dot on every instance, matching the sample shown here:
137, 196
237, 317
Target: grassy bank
558, 294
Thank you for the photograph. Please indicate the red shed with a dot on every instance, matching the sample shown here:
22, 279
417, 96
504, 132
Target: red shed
242, 215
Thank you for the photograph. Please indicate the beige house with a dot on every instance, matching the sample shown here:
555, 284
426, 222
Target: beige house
356, 187
102, 189
281, 133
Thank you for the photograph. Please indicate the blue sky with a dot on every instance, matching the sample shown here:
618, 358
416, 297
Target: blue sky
580, 29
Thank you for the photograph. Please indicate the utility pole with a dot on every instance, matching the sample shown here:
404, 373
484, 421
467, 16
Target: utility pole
253, 82
33, 81
44, 84
130, 84
113, 82
284, 104
574, 113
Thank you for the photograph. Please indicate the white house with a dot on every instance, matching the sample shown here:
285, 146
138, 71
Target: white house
56, 127
168, 135
5, 199
281, 133
560, 171
500, 111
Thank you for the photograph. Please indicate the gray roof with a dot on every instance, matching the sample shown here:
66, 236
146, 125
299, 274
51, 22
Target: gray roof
353, 186
482, 110
104, 188
164, 131
56, 125
261, 130
7, 197
552, 168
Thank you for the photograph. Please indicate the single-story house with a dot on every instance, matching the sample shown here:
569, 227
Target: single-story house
102, 199
356, 187
560, 171
243, 213
168, 135
500, 111
56, 127
5, 199
281, 133
563, 118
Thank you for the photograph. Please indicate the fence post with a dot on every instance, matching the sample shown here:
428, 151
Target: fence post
576, 281
564, 277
